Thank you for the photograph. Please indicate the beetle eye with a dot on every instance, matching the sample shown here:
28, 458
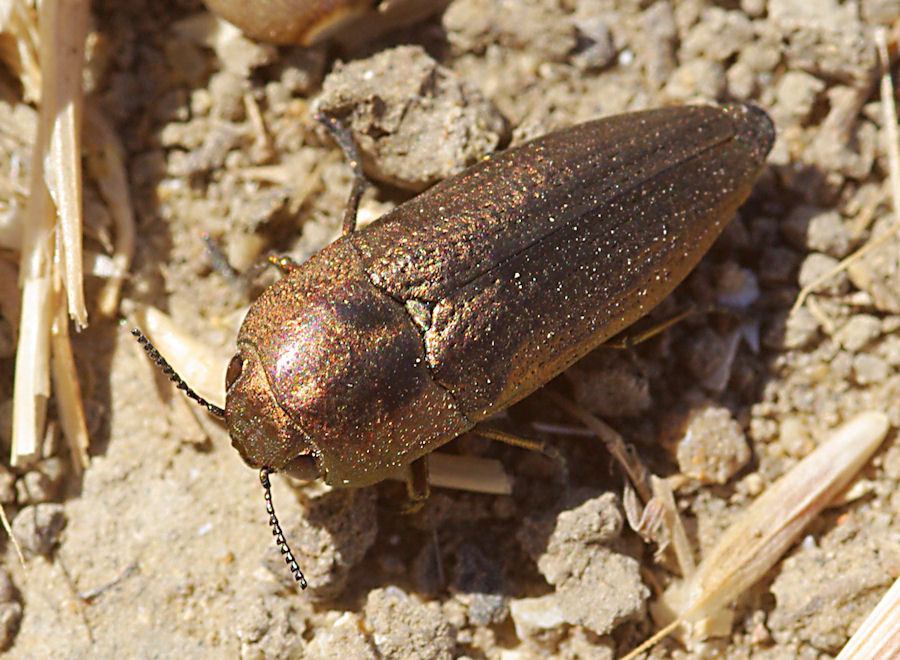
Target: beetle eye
302, 467
235, 368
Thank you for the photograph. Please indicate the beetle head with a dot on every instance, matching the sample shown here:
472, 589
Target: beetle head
262, 432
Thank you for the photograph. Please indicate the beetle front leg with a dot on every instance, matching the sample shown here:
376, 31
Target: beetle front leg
284, 263
344, 138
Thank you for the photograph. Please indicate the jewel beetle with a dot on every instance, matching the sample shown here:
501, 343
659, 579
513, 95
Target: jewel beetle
397, 338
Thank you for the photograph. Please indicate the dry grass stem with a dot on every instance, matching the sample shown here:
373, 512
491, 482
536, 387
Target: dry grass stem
471, 473
63, 25
105, 159
773, 522
68, 392
662, 492
200, 366
31, 386
879, 635
54, 191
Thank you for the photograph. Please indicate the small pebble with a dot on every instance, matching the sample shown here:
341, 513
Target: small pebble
38, 527
800, 329
858, 331
869, 369
404, 627
696, 78
712, 447
796, 95
818, 264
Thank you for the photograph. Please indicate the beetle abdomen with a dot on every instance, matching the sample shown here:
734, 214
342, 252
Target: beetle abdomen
534, 257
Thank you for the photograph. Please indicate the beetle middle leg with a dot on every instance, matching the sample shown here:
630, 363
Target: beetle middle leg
417, 486
539, 446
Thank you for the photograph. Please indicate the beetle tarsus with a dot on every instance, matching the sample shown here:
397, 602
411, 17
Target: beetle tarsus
285, 264
276, 530
220, 262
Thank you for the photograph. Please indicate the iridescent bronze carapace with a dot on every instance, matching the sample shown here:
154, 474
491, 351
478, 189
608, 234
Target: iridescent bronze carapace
399, 337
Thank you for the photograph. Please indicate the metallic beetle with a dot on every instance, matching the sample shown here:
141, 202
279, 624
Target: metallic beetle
397, 338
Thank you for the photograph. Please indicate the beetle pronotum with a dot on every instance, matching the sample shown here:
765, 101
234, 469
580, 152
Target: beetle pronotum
397, 338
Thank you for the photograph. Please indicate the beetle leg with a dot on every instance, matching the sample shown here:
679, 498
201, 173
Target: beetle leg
220, 262
341, 134
525, 443
285, 264
417, 487
627, 340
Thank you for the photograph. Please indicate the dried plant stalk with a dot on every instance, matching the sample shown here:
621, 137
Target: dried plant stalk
31, 387
471, 473
879, 635
63, 26
662, 492
68, 391
55, 189
105, 159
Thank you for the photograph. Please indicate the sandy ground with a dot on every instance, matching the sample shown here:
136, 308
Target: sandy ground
162, 549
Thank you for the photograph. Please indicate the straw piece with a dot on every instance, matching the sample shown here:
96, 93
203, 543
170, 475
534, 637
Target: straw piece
879, 635
773, 522
55, 175
680, 544
63, 25
31, 388
753, 544
471, 473
68, 392
105, 159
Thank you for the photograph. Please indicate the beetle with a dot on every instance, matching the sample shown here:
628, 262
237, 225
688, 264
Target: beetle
397, 338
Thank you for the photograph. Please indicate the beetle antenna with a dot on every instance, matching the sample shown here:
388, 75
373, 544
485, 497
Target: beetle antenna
174, 377
276, 529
